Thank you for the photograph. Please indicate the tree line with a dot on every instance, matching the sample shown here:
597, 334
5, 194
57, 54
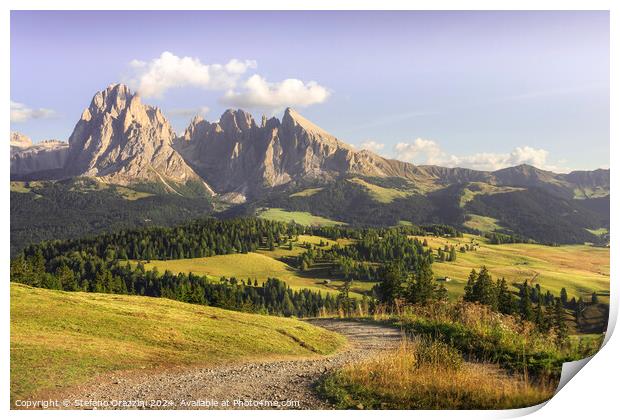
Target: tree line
545, 311
362, 260
78, 272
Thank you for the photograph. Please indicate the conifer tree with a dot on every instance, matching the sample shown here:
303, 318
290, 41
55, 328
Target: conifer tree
539, 317
560, 322
526, 303
390, 287
421, 289
452, 254
484, 290
469, 287
505, 300
564, 297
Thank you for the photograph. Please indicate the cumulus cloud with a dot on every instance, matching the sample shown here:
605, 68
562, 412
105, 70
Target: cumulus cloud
372, 145
419, 150
423, 151
188, 112
155, 77
21, 113
257, 92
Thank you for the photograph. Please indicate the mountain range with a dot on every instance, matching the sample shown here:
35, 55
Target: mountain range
296, 165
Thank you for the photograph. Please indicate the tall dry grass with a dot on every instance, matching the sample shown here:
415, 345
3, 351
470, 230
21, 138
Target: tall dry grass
484, 335
429, 374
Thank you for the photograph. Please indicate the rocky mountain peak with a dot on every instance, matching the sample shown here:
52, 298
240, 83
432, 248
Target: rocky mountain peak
112, 100
237, 155
20, 141
293, 119
237, 120
123, 141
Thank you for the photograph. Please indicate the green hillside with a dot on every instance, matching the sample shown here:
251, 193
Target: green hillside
581, 269
59, 339
300, 217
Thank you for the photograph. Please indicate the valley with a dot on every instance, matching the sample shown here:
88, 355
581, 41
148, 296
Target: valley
139, 254
155, 311
306, 209
580, 269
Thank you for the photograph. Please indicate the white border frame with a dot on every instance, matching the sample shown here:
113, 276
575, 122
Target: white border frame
591, 395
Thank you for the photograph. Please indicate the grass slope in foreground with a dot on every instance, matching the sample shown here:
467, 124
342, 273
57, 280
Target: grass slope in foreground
60, 339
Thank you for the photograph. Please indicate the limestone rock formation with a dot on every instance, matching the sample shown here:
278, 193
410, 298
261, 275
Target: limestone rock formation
19, 142
236, 154
42, 158
122, 141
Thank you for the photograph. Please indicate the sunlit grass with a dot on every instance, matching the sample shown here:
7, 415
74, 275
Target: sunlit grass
300, 217
62, 338
427, 374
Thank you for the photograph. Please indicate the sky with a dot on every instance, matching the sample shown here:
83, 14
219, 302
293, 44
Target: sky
483, 90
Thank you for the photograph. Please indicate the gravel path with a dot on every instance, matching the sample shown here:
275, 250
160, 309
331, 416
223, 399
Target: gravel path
289, 384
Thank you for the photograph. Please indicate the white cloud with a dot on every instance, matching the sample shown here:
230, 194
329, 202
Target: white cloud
372, 145
155, 77
22, 113
189, 112
423, 151
259, 93
420, 150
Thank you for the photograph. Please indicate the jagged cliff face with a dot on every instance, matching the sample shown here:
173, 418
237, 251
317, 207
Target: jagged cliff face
237, 154
123, 141
120, 140
28, 158
43, 157
19, 142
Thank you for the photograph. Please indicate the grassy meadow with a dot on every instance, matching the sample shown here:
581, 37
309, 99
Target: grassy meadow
308, 192
253, 266
265, 263
381, 194
59, 339
300, 217
581, 269
482, 223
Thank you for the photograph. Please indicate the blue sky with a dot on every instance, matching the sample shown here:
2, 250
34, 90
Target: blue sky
475, 89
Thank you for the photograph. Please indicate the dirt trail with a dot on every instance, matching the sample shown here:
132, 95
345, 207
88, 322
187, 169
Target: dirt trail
283, 381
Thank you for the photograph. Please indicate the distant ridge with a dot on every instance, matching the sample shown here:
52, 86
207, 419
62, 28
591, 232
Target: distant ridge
120, 140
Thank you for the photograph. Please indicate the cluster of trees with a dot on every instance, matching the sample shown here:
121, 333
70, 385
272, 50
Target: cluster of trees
78, 272
497, 238
447, 253
362, 260
100, 263
400, 285
338, 232
81, 207
544, 310
200, 238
